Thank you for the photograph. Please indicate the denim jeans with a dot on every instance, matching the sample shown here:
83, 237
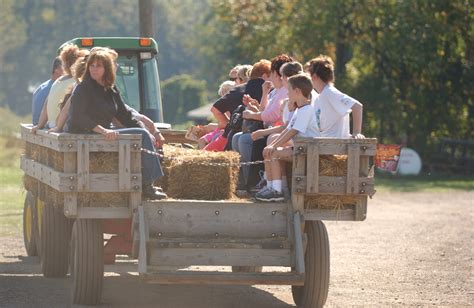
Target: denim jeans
242, 143
151, 167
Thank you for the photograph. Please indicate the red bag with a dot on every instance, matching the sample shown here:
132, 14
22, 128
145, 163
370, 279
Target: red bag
217, 145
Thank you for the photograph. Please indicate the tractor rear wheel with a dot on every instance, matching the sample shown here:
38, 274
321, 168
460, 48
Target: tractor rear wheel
29, 225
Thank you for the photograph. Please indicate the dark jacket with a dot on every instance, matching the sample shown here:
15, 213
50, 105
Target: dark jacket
92, 105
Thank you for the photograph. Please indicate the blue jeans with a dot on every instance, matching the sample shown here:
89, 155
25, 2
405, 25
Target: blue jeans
242, 143
151, 167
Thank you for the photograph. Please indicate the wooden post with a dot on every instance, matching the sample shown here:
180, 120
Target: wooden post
83, 181
353, 153
312, 173
125, 180
70, 199
299, 170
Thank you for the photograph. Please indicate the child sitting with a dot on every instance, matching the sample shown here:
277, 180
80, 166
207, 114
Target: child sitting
216, 131
303, 123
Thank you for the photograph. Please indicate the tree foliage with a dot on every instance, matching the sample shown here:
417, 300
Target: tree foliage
181, 94
408, 62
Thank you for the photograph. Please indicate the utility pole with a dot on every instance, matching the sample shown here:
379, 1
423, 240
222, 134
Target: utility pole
146, 8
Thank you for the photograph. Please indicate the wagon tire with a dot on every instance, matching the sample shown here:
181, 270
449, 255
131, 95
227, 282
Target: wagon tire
55, 237
37, 216
87, 262
314, 292
247, 269
29, 224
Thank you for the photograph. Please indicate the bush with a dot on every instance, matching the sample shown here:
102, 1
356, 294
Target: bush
181, 94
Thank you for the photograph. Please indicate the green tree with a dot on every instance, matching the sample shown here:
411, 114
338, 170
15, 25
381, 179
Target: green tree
181, 94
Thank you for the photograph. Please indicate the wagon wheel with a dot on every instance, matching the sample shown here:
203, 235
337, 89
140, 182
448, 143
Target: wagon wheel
87, 258
29, 224
37, 217
55, 236
314, 292
246, 269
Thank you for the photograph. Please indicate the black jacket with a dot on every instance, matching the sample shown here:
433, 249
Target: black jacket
92, 105
232, 100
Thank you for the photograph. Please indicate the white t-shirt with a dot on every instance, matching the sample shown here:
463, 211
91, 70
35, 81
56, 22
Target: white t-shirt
59, 89
332, 109
304, 121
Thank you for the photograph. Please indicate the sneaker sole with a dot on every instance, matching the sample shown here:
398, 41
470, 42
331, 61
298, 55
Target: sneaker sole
277, 199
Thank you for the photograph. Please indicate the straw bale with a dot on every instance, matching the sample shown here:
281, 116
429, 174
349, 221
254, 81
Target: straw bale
331, 165
188, 174
336, 202
30, 184
115, 199
103, 162
55, 160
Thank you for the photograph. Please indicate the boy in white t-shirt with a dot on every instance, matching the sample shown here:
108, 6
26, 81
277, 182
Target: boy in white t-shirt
332, 107
303, 124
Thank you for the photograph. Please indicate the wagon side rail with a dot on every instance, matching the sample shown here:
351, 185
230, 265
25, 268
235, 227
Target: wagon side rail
59, 167
346, 192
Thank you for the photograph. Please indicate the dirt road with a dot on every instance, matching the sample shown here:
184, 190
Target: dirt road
413, 249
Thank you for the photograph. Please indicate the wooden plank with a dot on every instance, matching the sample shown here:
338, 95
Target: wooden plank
109, 182
83, 181
299, 170
352, 183
64, 142
125, 180
209, 219
135, 197
335, 185
175, 136
333, 140
364, 166
329, 214
312, 171
361, 209
70, 198
68, 182
103, 212
223, 278
219, 256
159, 242
142, 255
299, 254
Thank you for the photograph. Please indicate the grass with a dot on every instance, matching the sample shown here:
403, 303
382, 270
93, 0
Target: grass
12, 196
424, 183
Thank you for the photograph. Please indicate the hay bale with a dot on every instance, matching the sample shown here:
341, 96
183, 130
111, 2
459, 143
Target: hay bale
103, 162
115, 199
30, 184
331, 165
189, 174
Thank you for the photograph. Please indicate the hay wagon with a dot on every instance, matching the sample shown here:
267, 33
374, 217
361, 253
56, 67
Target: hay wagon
74, 198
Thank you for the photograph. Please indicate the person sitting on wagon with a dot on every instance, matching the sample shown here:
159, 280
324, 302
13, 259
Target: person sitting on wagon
63, 85
332, 107
96, 101
303, 123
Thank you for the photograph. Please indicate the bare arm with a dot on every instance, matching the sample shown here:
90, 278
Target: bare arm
220, 117
357, 120
62, 117
43, 119
267, 132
